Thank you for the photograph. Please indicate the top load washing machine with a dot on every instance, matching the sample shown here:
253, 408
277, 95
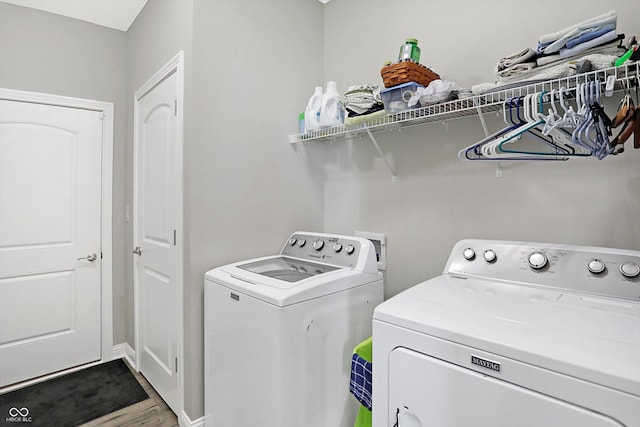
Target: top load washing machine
280, 331
513, 334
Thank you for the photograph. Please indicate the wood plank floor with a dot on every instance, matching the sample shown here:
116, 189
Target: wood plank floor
152, 412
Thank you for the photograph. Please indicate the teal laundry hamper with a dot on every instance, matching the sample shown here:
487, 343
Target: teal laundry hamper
360, 383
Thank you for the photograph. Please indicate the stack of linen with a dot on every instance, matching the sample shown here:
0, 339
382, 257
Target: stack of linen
595, 40
599, 31
362, 103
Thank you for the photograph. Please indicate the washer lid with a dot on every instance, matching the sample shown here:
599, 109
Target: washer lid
274, 280
287, 269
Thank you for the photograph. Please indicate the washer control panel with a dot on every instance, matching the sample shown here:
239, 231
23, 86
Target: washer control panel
337, 250
600, 271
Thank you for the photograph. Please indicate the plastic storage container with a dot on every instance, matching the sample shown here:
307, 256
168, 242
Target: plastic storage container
396, 99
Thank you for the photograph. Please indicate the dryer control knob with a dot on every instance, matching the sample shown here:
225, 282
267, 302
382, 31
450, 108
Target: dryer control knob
537, 260
337, 247
301, 242
596, 266
318, 244
349, 249
489, 255
469, 254
293, 241
630, 269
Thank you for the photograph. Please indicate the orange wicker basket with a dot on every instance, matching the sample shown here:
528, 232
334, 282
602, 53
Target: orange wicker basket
405, 72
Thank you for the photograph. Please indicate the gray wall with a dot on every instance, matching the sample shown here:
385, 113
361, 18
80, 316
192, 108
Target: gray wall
246, 188
438, 200
47, 53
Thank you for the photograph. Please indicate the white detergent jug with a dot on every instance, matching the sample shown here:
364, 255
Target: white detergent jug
312, 112
332, 109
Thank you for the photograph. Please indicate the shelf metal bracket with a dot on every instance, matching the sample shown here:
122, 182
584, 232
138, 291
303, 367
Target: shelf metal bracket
375, 143
482, 121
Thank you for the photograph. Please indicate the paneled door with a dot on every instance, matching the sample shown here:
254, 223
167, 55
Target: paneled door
157, 213
50, 239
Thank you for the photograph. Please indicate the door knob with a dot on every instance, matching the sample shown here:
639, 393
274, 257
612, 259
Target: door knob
90, 257
137, 250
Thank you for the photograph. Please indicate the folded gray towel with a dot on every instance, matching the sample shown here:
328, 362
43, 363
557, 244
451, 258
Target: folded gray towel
516, 70
524, 55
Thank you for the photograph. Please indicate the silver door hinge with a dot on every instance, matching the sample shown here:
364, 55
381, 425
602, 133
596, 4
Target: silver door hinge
176, 365
174, 238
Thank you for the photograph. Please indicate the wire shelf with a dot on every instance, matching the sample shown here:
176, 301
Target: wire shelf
474, 105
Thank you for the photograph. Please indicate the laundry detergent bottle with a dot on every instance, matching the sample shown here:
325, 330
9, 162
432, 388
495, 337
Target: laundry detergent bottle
312, 112
332, 109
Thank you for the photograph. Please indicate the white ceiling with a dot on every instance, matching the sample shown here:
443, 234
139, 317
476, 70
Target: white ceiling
118, 14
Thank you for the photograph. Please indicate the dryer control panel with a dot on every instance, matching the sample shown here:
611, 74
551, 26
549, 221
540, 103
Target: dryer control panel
593, 270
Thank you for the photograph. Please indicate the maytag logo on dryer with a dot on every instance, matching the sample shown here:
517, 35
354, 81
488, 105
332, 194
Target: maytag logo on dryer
487, 364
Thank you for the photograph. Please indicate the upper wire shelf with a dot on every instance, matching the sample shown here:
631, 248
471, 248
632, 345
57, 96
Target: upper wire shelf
478, 104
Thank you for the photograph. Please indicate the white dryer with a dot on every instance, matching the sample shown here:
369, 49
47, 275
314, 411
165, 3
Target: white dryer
280, 331
513, 334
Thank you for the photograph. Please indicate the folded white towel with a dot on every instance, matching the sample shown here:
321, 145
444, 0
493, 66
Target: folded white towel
603, 19
481, 88
544, 60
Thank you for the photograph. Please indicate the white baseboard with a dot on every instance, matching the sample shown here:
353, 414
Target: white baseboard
185, 421
124, 351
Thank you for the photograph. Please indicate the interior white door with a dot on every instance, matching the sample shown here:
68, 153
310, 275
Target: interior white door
50, 248
156, 209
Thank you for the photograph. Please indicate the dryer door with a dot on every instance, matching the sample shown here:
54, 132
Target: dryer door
425, 391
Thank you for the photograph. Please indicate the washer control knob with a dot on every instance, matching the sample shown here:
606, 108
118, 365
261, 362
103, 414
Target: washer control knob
630, 269
537, 260
596, 266
318, 244
337, 247
349, 249
469, 254
293, 241
489, 255
301, 242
